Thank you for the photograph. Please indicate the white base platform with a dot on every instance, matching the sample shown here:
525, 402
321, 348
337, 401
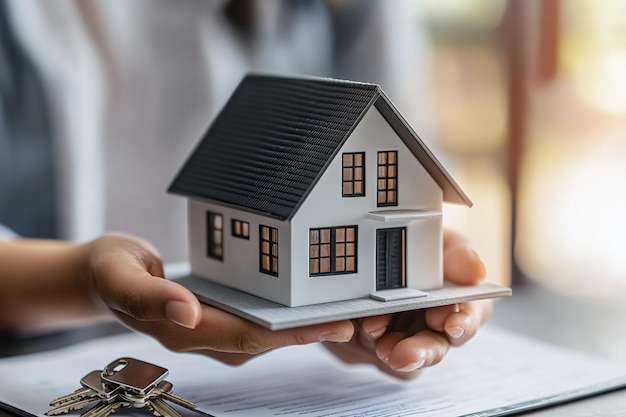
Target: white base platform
397, 294
276, 316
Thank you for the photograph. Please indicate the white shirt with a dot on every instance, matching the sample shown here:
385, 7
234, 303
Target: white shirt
6, 233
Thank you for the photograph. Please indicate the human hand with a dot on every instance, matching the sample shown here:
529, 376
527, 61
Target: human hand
126, 275
402, 344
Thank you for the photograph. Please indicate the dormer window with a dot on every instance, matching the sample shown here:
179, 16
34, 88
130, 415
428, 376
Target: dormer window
353, 174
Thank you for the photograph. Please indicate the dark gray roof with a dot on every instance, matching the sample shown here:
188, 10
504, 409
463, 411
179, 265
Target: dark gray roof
272, 141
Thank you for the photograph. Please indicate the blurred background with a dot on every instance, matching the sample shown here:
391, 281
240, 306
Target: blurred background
531, 109
531, 104
524, 101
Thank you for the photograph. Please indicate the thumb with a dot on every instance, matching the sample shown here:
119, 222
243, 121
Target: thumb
148, 298
125, 284
461, 263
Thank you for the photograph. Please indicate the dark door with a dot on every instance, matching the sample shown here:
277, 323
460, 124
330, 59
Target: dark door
390, 258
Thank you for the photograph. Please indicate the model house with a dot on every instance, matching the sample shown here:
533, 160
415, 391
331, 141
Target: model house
311, 190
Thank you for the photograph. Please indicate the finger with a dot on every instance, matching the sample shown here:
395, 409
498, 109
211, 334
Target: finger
461, 264
129, 288
126, 274
234, 359
362, 346
461, 326
387, 343
436, 316
416, 352
223, 332
374, 327
170, 336
367, 331
405, 357
352, 352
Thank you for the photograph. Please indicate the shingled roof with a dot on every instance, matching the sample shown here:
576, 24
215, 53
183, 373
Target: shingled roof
275, 137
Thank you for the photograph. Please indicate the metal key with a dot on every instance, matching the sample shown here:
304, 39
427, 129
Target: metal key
161, 409
154, 400
110, 401
93, 390
141, 385
83, 392
104, 409
94, 382
125, 382
75, 404
133, 375
164, 390
79, 393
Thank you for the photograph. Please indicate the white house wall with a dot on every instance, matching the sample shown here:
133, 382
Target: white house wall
325, 207
240, 265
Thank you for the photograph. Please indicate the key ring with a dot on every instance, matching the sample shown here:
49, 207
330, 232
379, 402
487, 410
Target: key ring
114, 367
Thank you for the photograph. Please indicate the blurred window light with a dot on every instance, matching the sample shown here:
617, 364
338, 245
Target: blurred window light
572, 209
593, 52
572, 221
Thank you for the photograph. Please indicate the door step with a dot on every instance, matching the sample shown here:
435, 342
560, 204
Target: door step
397, 294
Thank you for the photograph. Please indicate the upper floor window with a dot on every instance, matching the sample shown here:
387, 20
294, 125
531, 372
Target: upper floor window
239, 228
387, 178
268, 242
215, 235
353, 174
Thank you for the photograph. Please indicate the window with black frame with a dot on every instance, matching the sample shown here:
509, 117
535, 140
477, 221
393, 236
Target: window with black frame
333, 250
268, 242
387, 178
353, 174
215, 235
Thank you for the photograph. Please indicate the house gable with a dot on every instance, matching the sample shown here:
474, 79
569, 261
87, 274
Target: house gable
327, 208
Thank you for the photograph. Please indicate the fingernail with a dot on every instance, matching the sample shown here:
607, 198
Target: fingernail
334, 337
181, 313
375, 334
382, 355
455, 332
412, 366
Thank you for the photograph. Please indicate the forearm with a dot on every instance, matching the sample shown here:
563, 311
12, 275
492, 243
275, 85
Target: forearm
45, 284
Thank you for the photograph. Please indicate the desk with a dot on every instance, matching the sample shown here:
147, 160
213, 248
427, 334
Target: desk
535, 311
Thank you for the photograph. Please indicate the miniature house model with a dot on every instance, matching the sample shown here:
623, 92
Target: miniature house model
311, 190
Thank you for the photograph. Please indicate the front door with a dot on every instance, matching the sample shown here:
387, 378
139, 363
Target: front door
390, 258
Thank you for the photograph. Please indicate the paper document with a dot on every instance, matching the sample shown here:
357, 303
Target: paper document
496, 373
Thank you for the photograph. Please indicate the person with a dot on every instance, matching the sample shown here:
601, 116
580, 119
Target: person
51, 283
130, 89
